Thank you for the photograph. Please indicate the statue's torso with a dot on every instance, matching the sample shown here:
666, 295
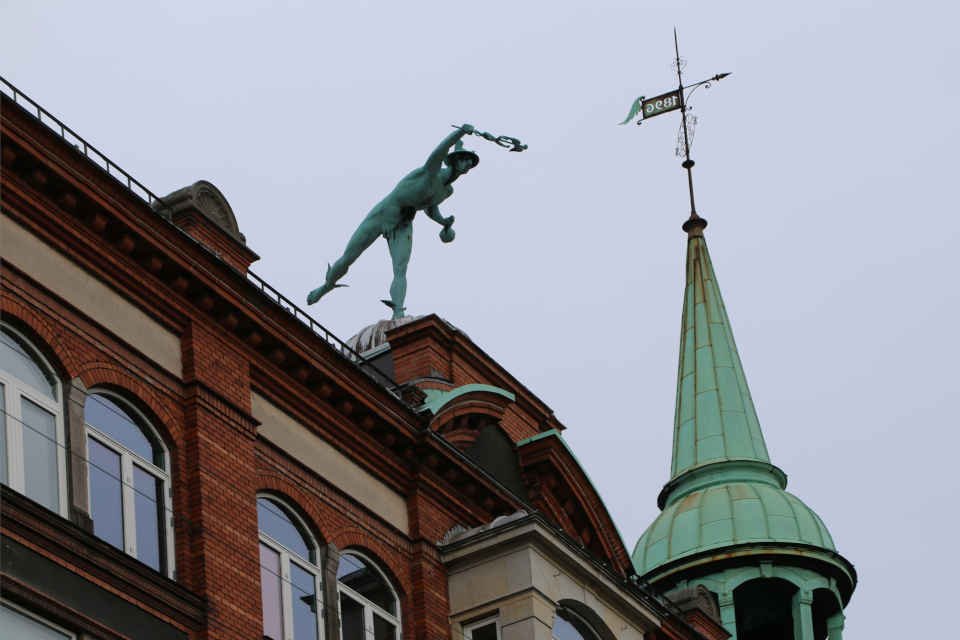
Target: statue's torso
421, 189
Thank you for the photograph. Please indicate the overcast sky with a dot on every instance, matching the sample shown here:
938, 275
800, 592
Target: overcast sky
825, 167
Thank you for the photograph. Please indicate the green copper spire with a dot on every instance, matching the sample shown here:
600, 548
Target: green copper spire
715, 419
726, 518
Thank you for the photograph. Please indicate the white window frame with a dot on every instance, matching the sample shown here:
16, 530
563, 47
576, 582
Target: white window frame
14, 390
26, 613
286, 584
127, 492
368, 607
468, 628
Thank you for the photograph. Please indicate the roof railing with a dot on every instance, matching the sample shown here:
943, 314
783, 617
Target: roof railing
78, 143
125, 179
345, 349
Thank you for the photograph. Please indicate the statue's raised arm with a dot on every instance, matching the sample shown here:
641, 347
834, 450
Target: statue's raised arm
435, 161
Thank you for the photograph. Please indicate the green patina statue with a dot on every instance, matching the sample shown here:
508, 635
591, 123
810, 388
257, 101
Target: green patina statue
421, 190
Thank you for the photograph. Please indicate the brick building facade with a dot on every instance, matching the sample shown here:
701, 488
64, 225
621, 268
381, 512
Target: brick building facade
187, 455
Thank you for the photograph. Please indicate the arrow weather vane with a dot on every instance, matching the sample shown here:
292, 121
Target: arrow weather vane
671, 102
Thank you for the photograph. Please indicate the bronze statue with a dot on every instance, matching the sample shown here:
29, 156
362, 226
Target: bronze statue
421, 190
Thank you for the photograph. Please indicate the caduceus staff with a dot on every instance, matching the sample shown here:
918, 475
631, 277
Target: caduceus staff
503, 141
423, 189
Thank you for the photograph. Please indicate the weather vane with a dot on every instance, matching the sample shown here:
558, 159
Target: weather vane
673, 101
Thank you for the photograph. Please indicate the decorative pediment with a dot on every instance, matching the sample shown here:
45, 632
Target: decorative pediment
207, 199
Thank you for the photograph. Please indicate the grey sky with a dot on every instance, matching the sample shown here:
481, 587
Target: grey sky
824, 165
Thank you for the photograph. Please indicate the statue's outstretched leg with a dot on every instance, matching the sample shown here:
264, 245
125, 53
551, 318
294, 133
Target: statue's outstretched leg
325, 288
400, 242
362, 238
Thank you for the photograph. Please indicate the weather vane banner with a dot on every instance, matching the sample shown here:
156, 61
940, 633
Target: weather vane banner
654, 106
661, 104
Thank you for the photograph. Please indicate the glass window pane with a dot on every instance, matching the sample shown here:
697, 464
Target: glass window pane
383, 630
486, 632
569, 626
19, 360
305, 605
270, 586
106, 502
3, 436
149, 511
276, 523
109, 418
351, 619
563, 630
40, 455
355, 573
16, 626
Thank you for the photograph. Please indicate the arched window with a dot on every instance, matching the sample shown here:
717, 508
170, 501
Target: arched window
33, 456
569, 625
129, 473
368, 605
289, 577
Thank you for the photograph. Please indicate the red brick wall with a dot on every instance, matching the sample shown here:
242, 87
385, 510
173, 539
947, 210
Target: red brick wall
214, 238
